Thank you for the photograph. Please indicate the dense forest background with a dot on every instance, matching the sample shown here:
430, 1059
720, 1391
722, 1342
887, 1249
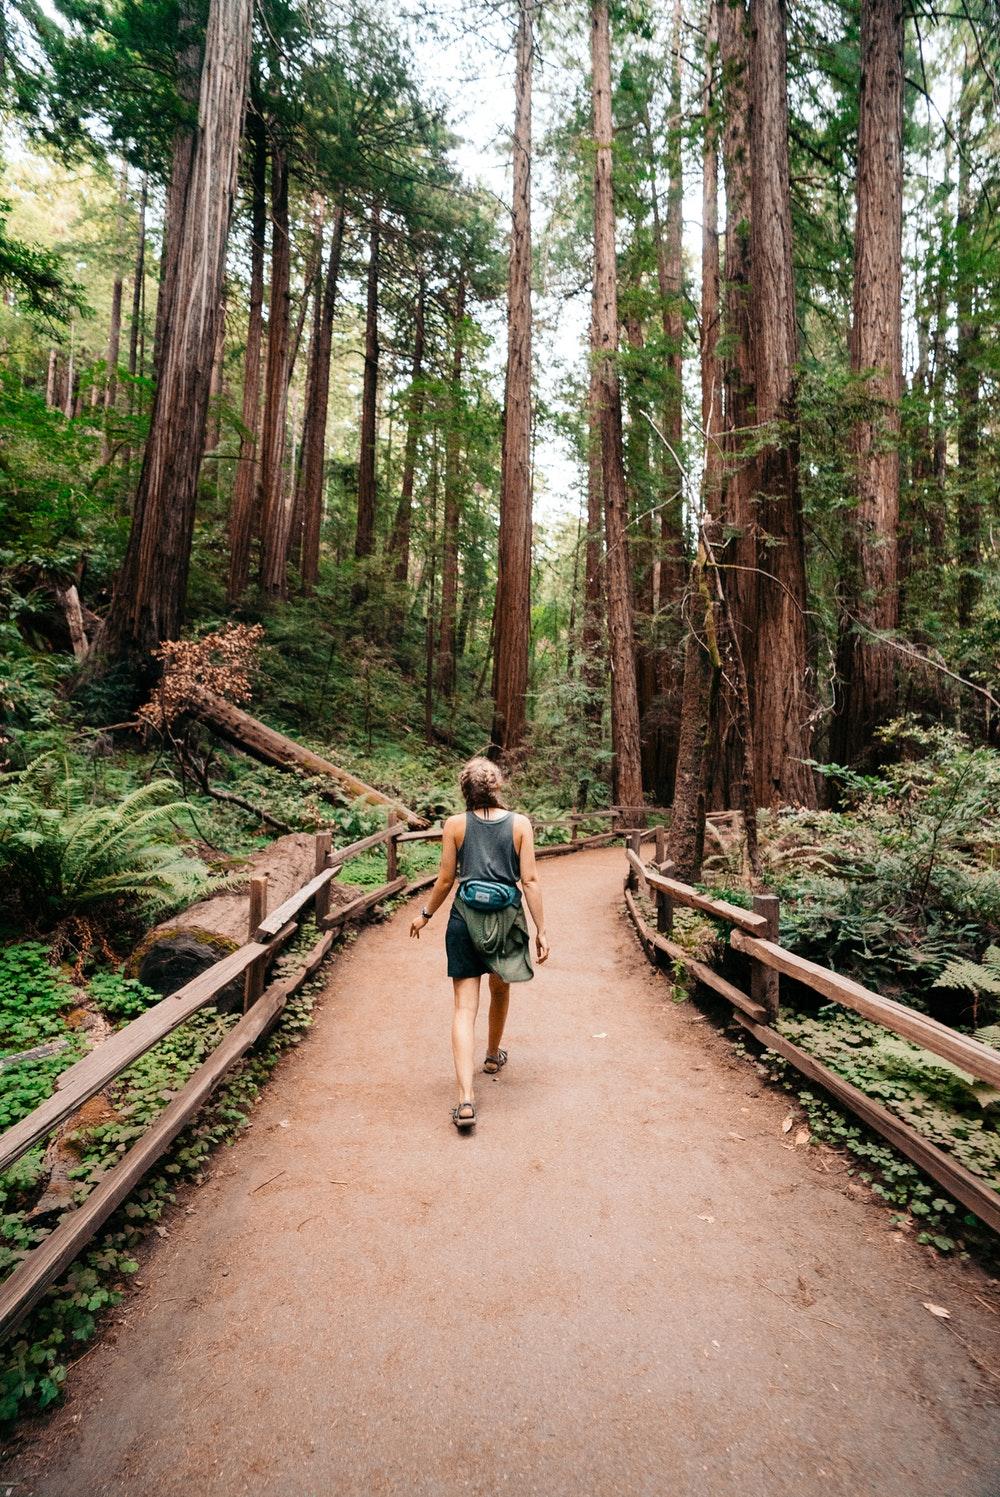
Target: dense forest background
798, 326
614, 390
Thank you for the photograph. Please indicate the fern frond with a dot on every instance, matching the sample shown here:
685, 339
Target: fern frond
973, 977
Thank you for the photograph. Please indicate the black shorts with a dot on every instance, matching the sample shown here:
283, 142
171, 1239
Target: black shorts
463, 958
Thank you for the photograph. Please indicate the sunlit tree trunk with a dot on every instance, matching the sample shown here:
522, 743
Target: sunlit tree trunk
711, 366
868, 685
669, 581
452, 487
314, 431
274, 521
115, 322
245, 487
780, 700
399, 545
148, 601
512, 609
968, 354
626, 769
364, 538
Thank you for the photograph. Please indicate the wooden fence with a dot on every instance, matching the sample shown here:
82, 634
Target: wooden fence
267, 934
755, 934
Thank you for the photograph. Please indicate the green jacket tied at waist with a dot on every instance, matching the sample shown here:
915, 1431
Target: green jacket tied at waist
502, 939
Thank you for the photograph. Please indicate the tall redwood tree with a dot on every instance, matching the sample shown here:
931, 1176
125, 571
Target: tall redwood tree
777, 630
627, 765
867, 689
148, 601
512, 609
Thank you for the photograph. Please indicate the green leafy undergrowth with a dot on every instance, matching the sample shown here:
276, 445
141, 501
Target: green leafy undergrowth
65, 852
940, 1102
36, 1000
35, 1359
905, 881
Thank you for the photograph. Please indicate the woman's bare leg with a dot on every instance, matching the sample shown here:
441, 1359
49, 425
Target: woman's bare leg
499, 1003
463, 1034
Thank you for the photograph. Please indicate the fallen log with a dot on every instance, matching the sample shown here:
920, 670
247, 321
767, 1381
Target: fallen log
180, 948
271, 747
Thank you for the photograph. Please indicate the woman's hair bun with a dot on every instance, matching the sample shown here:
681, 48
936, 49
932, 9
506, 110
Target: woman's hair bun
481, 783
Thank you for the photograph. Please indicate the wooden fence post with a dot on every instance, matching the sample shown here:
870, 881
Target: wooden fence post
391, 849
763, 980
664, 904
574, 834
635, 845
253, 981
321, 904
661, 847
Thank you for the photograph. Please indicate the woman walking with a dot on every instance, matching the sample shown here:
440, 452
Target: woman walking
489, 850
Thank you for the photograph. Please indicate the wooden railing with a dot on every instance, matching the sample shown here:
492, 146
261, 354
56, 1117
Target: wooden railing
754, 933
267, 934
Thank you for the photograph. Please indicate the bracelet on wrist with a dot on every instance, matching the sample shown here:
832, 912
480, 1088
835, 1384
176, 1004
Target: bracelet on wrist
425, 913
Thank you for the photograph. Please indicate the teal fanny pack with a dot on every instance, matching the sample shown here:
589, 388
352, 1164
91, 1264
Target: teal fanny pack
483, 894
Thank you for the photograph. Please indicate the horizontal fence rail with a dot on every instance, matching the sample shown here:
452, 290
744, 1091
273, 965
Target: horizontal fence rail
755, 936
267, 934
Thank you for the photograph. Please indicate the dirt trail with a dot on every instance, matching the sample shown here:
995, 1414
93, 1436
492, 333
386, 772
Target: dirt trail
624, 1282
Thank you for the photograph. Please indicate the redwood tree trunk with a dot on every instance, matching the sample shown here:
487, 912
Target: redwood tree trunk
148, 602
452, 483
114, 328
967, 366
364, 539
275, 521
314, 431
868, 690
399, 545
711, 368
512, 609
241, 514
593, 597
627, 769
780, 701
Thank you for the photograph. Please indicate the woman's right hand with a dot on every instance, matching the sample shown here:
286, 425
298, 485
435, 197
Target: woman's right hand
541, 947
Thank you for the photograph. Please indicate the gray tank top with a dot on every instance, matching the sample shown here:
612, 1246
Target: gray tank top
488, 850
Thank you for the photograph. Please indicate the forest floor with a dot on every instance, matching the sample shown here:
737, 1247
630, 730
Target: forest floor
626, 1280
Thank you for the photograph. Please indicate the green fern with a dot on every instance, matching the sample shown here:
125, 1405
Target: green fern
981, 978
61, 854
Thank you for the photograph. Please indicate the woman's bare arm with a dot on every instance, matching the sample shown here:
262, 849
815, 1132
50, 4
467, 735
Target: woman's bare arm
446, 873
532, 887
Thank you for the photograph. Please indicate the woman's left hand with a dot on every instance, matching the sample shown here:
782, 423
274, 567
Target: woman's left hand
416, 926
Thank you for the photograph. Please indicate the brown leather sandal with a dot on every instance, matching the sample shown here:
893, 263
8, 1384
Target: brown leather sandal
464, 1115
495, 1063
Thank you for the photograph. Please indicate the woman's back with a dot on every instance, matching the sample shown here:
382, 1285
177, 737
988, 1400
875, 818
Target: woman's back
488, 851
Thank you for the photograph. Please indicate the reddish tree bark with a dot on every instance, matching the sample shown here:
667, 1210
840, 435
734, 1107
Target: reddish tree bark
627, 768
736, 510
868, 687
593, 605
148, 601
452, 485
245, 488
512, 608
780, 700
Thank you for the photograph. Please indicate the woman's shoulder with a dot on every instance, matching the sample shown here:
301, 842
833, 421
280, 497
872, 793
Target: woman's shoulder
455, 823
